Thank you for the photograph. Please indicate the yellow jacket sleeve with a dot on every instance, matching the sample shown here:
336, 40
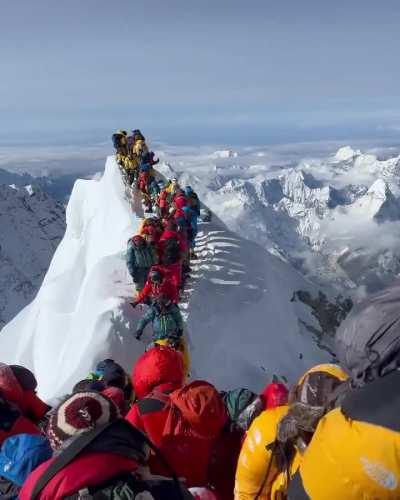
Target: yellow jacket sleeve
254, 459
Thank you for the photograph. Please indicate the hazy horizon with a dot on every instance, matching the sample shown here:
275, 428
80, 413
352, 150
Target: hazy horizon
199, 72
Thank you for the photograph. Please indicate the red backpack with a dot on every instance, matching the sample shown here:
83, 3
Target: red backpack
195, 417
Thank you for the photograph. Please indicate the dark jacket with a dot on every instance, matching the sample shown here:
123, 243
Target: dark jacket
139, 260
167, 323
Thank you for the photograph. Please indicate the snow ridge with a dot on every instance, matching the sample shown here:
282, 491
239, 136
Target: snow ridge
238, 304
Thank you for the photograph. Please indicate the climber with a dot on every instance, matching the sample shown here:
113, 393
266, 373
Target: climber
95, 454
165, 318
179, 199
131, 170
192, 199
140, 257
184, 421
355, 447
151, 230
137, 134
274, 394
277, 438
167, 326
185, 230
171, 250
114, 393
139, 148
172, 186
119, 140
19, 456
157, 283
113, 375
163, 203
21, 410
153, 191
143, 184
243, 406
150, 158
191, 217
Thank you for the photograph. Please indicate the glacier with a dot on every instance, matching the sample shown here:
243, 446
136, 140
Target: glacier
241, 320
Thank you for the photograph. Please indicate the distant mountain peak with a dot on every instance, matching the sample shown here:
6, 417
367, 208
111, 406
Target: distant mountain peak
346, 153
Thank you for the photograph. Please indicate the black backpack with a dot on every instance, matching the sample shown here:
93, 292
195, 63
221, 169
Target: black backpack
123, 487
116, 140
127, 487
9, 414
172, 252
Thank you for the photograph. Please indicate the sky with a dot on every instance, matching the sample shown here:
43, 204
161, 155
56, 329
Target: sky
198, 72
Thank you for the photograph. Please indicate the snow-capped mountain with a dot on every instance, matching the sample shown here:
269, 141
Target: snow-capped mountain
336, 219
245, 319
32, 225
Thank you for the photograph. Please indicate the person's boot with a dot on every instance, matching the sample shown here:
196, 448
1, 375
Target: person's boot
193, 255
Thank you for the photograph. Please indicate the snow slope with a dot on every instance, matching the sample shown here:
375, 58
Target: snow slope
32, 225
242, 324
309, 212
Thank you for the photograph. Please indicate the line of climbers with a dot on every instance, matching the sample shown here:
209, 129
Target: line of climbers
334, 435
158, 257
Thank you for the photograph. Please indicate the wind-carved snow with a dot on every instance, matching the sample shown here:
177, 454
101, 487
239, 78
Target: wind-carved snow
241, 322
32, 225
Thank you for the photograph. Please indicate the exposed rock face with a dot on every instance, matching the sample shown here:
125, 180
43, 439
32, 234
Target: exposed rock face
32, 224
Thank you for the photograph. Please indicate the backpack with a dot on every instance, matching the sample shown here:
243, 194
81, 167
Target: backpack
9, 414
116, 140
195, 418
368, 340
125, 487
194, 202
21, 454
128, 487
144, 257
171, 251
242, 405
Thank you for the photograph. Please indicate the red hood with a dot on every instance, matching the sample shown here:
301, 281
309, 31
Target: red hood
202, 407
117, 396
10, 388
180, 201
87, 470
167, 234
158, 366
275, 394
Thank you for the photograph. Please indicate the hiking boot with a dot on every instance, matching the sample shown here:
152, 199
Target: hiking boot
193, 255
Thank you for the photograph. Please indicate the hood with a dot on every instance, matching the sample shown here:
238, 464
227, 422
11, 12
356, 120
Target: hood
275, 394
202, 407
117, 396
10, 388
316, 386
160, 365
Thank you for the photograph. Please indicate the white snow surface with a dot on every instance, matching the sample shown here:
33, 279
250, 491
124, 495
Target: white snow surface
309, 211
241, 323
32, 225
